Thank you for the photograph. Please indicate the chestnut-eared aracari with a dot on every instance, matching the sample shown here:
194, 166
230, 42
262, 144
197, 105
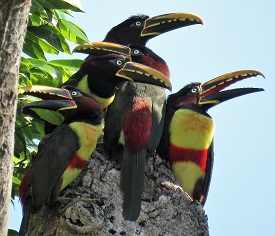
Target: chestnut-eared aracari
140, 125
141, 28
187, 140
136, 116
99, 76
63, 153
135, 119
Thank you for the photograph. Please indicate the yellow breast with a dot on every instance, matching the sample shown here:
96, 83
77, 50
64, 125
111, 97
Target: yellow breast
190, 129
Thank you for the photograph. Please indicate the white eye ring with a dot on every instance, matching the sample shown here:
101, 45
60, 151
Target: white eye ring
194, 90
74, 93
138, 23
136, 51
119, 62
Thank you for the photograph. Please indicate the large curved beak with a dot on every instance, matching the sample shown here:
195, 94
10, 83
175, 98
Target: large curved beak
140, 73
212, 95
154, 26
55, 99
103, 48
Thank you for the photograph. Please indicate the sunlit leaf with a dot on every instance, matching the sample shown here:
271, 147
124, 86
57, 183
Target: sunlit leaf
46, 35
73, 64
53, 4
33, 49
49, 116
75, 30
16, 181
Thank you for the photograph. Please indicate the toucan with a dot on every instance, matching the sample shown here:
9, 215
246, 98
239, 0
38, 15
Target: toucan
63, 153
140, 125
141, 28
136, 117
187, 140
100, 76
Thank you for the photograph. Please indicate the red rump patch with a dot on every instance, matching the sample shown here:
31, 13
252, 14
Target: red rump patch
180, 154
137, 125
23, 190
77, 163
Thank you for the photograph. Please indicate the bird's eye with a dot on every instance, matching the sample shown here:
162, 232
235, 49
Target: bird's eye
138, 23
194, 90
136, 51
75, 93
119, 62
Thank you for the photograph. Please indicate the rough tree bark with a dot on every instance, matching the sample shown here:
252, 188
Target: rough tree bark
92, 205
13, 23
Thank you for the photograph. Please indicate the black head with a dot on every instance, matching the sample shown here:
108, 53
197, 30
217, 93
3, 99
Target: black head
146, 56
208, 94
140, 28
129, 31
87, 108
101, 72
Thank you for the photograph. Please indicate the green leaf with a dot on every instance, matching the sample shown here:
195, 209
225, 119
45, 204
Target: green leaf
15, 181
49, 116
43, 65
75, 30
20, 143
12, 232
45, 46
64, 44
47, 35
73, 64
53, 4
33, 49
36, 8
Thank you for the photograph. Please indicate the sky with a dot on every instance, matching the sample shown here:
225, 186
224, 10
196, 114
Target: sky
237, 35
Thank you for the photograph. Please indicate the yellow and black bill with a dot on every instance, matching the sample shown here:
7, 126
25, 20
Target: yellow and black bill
157, 25
211, 94
140, 73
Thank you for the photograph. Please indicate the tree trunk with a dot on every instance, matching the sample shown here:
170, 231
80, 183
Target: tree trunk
92, 205
13, 23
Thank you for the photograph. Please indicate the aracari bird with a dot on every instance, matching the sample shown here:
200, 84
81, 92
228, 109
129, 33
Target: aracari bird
135, 119
141, 28
137, 115
140, 126
99, 76
63, 153
187, 140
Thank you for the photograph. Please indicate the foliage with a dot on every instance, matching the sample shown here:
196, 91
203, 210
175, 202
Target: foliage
48, 32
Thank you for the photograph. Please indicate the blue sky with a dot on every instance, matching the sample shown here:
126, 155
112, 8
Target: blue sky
237, 35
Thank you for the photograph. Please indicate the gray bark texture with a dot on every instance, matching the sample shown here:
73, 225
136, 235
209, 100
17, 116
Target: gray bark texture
13, 24
92, 205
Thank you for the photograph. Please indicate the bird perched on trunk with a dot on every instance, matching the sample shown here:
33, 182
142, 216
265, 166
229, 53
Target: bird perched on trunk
136, 116
140, 124
136, 119
64, 153
187, 140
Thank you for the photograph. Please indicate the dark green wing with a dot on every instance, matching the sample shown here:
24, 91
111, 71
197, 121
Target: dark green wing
53, 157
